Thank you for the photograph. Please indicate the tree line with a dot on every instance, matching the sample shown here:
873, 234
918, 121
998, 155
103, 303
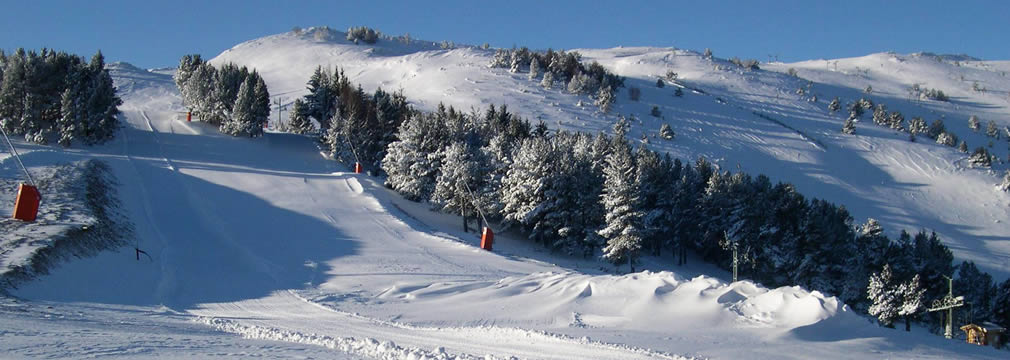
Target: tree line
50, 94
233, 98
597, 194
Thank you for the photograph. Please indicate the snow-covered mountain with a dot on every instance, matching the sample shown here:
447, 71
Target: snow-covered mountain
266, 239
740, 119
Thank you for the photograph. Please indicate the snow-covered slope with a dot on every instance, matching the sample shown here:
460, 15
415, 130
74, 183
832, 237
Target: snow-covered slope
749, 120
266, 239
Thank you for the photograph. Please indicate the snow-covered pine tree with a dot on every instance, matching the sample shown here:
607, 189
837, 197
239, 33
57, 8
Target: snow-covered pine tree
228, 79
666, 132
548, 81
102, 104
880, 115
917, 126
73, 109
605, 99
835, 105
198, 90
299, 122
524, 186
849, 127
261, 103
945, 138
187, 66
856, 109
912, 300
653, 174
71, 112
12, 91
413, 161
973, 123
897, 121
534, 69
462, 170
991, 130
623, 219
884, 298
1005, 185
243, 116
516, 64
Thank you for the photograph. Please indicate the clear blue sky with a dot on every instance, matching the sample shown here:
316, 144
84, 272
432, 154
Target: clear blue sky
155, 34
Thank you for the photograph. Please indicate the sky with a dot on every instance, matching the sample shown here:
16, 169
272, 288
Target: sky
154, 33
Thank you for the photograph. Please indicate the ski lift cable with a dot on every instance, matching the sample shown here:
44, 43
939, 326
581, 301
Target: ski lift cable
17, 157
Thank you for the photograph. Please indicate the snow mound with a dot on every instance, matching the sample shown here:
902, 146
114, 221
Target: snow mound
648, 301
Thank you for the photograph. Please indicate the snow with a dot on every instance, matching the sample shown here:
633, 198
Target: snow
740, 119
262, 247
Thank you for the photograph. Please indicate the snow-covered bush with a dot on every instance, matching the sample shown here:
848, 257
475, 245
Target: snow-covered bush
666, 132
362, 33
980, 157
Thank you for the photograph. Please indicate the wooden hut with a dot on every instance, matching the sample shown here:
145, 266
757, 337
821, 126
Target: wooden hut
985, 334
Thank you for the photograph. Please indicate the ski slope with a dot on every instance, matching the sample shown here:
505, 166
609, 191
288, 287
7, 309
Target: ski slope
739, 119
262, 247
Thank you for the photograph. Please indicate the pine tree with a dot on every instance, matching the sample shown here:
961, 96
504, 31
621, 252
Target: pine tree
605, 99
977, 288
525, 185
102, 104
243, 120
849, 127
299, 122
991, 130
912, 300
973, 123
198, 89
980, 157
548, 81
462, 169
660, 84
72, 116
880, 115
666, 132
623, 219
261, 103
963, 147
883, 296
187, 66
1005, 185
1001, 304
856, 109
413, 161
534, 69
897, 121
835, 105
917, 126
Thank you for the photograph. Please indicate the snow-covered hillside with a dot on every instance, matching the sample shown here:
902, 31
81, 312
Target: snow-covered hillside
262, 247
876, 174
